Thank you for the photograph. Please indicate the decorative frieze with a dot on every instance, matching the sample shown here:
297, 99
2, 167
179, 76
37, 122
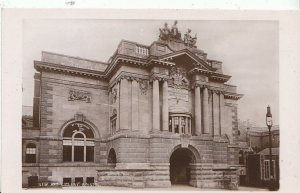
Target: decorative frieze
79, 95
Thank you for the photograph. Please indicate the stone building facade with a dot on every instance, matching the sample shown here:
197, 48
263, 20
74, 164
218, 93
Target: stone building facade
152, 116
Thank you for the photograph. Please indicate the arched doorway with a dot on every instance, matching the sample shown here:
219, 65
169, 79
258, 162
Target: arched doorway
180, 161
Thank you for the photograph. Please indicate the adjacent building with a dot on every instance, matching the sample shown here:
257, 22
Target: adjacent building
151, 116
255, 168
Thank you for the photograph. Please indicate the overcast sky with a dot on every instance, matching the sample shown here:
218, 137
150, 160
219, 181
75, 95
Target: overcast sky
248, 50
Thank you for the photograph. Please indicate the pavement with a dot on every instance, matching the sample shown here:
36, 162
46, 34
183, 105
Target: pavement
172, 188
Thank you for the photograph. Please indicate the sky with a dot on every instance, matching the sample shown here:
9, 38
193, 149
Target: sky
248, 50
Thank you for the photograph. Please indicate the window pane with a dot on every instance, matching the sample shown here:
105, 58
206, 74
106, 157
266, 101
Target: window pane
67, 181
67, 142
78, 143
90, 180
79, 181
30, 150
67, 153
90, 143
78, 153
30, 158
89, 153
78, 135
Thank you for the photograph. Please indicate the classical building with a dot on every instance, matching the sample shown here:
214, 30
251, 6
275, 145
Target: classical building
152, 116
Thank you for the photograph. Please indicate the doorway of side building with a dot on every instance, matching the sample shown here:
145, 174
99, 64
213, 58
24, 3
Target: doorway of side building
180, 161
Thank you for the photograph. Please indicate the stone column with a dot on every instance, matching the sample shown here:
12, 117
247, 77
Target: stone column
165, 108
205, 112
155, 106
197, 111
179, 122
216, 109
135, 105
173, 129
222, 114
124, 104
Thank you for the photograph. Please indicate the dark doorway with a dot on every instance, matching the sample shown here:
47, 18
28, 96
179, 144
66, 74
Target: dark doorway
180, 165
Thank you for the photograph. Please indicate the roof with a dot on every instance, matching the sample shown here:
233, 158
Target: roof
275, 151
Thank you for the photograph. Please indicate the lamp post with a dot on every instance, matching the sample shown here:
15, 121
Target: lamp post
269, 123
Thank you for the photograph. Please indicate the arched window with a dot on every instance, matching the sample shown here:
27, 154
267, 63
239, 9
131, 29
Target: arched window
30, 153
78, 143
112, 158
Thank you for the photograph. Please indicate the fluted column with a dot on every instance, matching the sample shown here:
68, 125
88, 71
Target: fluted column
165, 108
197, 111
155, 106
124, 104
134, 105
216, 109
205, 111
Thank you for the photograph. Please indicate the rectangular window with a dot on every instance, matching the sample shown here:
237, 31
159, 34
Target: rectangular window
90, 180
30, 158
30, 150
79, 181
274, 169
67, 153
267, 169
67, 181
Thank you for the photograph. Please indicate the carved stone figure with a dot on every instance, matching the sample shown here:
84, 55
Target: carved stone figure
164, 32
189, 40
175, 33
114, 94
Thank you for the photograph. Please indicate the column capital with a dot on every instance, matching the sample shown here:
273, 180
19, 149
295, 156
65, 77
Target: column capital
160, 78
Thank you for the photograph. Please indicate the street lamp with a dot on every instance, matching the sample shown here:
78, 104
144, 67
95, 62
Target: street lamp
269, 123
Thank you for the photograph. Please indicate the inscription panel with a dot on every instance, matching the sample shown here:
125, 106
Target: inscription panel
179, 94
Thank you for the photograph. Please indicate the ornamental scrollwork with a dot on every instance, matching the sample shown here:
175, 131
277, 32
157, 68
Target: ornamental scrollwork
143, 86
79, 95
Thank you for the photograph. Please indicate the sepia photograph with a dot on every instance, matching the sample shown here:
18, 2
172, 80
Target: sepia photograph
160, 104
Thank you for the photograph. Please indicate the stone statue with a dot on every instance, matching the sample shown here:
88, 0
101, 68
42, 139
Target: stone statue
175, 33
189, 40
164, 32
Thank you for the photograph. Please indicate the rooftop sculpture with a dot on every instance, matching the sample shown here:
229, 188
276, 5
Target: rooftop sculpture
173, 34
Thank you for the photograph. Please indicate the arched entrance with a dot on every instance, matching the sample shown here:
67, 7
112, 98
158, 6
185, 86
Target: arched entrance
180, 161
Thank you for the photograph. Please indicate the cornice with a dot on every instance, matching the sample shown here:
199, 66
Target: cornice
45, 66
211, 75
128, 76
217, 90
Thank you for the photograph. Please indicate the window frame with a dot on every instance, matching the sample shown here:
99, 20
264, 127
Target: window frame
77, 142
31, 154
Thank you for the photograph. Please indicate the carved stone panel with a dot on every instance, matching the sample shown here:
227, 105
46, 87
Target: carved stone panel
143, 86
79, 95
178, 77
